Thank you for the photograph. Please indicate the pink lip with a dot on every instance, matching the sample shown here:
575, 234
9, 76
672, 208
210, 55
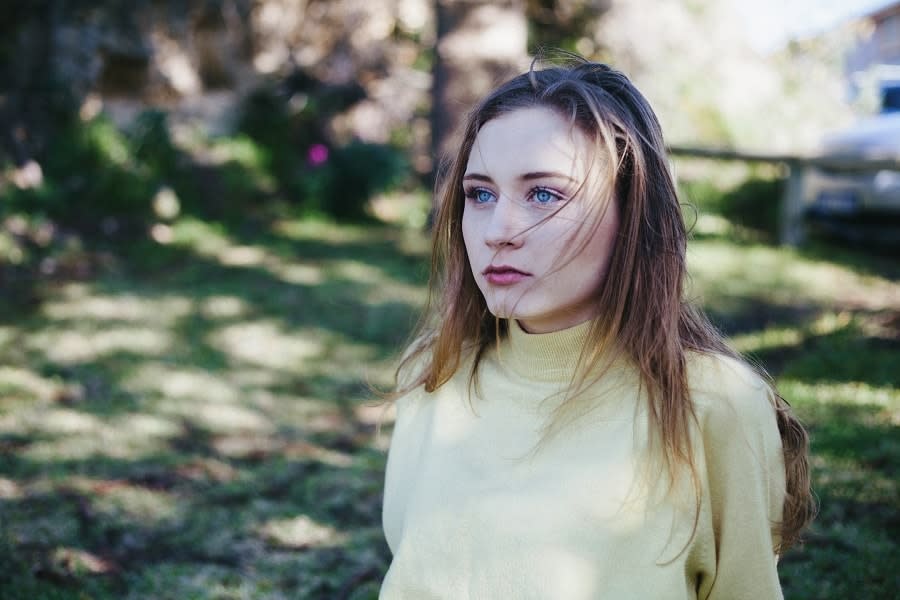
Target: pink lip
504, 275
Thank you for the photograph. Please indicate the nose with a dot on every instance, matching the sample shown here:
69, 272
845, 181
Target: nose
505, 228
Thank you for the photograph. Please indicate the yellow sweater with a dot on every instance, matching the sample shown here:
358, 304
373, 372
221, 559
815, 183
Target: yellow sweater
472, 510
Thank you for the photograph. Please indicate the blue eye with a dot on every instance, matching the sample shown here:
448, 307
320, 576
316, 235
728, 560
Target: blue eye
483, 196
542, 196
480, 195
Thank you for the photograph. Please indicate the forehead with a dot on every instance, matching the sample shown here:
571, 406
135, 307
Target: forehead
527, 140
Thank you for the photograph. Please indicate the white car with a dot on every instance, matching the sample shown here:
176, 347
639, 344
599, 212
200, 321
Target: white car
850, 198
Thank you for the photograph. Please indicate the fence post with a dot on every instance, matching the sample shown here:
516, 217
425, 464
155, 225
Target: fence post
791, 228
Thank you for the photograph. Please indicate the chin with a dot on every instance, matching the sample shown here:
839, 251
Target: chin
499, 313
507, 313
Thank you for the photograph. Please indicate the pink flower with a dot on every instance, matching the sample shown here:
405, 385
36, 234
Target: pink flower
317, 154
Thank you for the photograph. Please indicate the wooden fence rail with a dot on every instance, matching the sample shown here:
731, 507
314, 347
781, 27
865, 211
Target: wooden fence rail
791, 226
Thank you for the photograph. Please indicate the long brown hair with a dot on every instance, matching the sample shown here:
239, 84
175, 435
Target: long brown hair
644, 315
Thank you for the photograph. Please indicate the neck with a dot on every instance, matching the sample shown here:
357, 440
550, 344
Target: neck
549, 356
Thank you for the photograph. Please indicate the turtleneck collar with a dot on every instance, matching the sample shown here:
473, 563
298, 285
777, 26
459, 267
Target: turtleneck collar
544, 356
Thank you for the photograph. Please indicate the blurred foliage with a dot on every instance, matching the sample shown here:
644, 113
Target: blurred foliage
353, 174
564, 24
93, 179
152, 144
751, 203
102, 186
322, 178
755, 204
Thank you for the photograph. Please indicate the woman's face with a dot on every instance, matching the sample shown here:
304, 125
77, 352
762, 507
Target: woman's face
539, 222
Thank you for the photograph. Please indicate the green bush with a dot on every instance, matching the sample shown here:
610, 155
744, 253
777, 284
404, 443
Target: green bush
92, 180
342, 179
754, 204
101, 181
751, 204
152, 144
342, 186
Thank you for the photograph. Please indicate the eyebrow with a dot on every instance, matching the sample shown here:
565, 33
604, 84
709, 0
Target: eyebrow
524, 177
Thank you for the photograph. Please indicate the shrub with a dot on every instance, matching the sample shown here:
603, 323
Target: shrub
92, 180
152, 144
318, 176
342, 186
754, 204
751, 204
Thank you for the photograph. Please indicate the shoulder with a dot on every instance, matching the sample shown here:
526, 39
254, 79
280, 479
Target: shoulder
729, 396
414, 360
418, 363
739, 452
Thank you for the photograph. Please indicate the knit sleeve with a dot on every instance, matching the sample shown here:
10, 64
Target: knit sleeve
397, 472
745, 477
404, 452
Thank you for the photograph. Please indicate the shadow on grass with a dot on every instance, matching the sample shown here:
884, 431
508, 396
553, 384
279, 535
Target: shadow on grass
283, 495
851, 547
221, 535
230, 456
847, 354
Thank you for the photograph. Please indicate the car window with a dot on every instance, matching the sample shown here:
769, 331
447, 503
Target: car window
890, 99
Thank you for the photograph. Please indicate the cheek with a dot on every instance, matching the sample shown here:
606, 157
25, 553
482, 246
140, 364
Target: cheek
597, 249
602, 247
565, 242
470, 236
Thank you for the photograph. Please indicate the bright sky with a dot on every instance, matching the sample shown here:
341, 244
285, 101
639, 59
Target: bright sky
771, 23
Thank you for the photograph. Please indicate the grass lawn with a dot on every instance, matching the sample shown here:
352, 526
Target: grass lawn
196, 421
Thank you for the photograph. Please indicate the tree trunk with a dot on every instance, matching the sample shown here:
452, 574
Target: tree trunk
479, 45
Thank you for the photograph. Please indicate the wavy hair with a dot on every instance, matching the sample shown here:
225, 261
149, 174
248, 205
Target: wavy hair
644, 315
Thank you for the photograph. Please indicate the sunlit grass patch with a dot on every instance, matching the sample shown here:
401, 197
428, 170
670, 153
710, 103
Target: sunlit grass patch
201, 237
379, 287
854, 428
10, 489
222, 417
770, 338
76, 304
723, 270
107, 443
186, 383
224, 307
62, 421
266, 344
77, 561
122, 502
780, 337
848, 483
321, 230
818, 395
66, 346
18, 382
49, 432
302, 274
406, 209
300, 532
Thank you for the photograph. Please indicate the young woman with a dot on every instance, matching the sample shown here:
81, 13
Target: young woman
568, 427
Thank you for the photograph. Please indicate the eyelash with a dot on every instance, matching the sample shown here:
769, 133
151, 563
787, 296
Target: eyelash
472, 194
